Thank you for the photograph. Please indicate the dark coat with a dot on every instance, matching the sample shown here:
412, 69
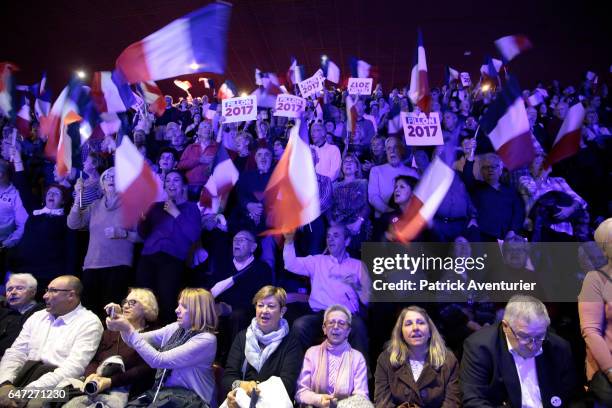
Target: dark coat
489, 376
434, 388
285, 362
11, 322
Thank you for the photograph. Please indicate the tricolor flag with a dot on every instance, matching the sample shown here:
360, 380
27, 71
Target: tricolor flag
227, 90
295, 74
419, 84
428, 194
152, 96
535, 99
24, 118
359, 68
506, 124
110, 92
137, 185
512, 45
451, 75
490, 69
258, 77
194, 43
42, 98
7, 88
208, 83
292, 194
266, 93
567, 142
330, 70
223, 178
351, 114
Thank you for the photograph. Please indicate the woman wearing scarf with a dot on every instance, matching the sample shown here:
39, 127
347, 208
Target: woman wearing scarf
182, 352
332, 370
264, 349
108, 264
416, 368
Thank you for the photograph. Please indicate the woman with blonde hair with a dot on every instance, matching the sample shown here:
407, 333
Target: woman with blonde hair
182, 352
416, 368
594, 308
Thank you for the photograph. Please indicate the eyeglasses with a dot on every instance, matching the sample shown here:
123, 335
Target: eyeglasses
17, 288
340, 323
528, 339
242, 240
130, 302
56, 290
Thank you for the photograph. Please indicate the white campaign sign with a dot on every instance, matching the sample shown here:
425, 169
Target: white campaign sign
289, 106
312, 85
360, 86
465, 79
420, 130
239, 109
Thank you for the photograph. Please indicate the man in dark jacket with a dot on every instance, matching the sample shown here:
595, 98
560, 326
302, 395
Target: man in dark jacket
518, 363
20, 292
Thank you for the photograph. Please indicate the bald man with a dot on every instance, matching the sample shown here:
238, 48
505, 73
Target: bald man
55, 343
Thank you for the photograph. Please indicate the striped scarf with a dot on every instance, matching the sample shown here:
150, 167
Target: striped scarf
329, 371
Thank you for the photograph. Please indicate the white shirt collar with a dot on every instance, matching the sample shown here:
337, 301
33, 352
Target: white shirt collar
241, 265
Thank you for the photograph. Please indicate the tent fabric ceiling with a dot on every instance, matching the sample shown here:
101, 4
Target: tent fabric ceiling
62, 36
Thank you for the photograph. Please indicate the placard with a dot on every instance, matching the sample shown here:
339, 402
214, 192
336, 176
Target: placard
289, 106
360, 86
239, 109
421, 130
465, 79
312, 85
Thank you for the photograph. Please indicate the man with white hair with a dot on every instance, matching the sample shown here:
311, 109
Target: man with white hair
20, 293
518, 363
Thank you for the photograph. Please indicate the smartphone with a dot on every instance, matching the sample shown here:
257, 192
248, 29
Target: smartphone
112, 313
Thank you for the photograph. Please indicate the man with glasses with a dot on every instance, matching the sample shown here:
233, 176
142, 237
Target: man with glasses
54, 344
20, 293
518, 363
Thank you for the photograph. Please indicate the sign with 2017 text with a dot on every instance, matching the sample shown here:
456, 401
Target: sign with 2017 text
422, 130
289, 106
311, 85
360, 86
239, 109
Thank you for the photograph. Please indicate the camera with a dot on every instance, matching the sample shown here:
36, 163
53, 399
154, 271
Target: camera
109, 370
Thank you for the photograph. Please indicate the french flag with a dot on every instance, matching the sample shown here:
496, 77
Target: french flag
184, 85
359, 68
24, 118
227, 90
258, 77
136, 183
42, 98
295, 74
330, 70
223, 178
490, 69
208, 83
267, 92
111, 93
194, 43
292, 194
451, 75
419, 84
153, 97
567, 142
7, 88
351, 114
507, 126
428, 194
512, 45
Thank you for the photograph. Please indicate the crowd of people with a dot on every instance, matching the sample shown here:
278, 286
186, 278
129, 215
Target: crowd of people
290, 316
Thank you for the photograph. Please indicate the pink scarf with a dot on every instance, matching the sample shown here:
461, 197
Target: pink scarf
344, 380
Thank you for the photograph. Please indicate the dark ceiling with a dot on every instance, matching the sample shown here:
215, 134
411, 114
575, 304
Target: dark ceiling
61, 36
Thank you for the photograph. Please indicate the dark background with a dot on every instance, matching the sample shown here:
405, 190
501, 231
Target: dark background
62, 36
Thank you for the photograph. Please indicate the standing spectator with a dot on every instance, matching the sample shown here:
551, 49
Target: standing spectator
107, 270
13, 215
328, 154
197, 160
169, 230
88, 190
